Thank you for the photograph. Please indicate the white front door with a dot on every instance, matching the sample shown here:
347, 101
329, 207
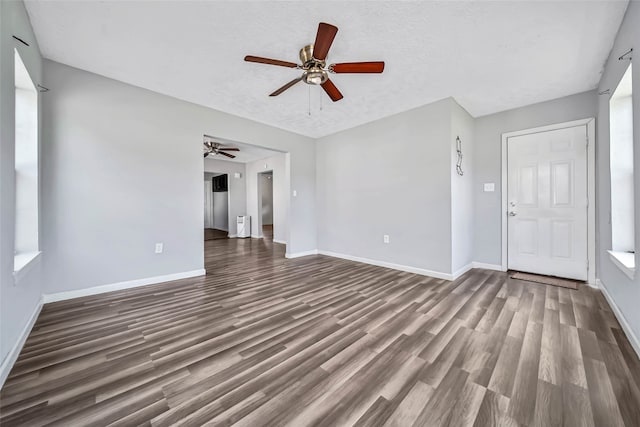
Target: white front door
547, 202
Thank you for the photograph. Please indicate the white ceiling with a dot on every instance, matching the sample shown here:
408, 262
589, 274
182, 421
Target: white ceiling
248, 153
489, 56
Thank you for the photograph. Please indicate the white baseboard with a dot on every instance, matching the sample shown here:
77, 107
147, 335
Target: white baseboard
633, 339
13, 354
232, 236
421, 271
61, 296
282, 242
255, 236
496, 267
299, 254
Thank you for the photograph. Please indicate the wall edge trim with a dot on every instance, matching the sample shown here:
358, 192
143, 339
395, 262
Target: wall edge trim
13, 354
626, 328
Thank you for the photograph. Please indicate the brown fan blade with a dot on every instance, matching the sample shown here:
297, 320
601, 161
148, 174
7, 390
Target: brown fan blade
358, 67
229, 149
227, 154
324, 38
285, 87
332, 90
268, 61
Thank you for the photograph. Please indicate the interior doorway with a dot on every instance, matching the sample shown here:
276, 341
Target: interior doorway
216, 206
265, 203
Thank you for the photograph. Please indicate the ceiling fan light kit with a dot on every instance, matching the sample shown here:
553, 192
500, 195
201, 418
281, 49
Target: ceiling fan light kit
314, 67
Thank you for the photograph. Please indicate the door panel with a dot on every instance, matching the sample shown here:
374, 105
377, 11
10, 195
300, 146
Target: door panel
547, 201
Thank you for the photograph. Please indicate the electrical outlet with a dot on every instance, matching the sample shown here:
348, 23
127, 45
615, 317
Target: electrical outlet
159, 248
489, 187
295, 193
385, 238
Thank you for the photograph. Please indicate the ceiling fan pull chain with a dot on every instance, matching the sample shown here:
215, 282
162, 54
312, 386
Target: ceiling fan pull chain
309, 101
320, 100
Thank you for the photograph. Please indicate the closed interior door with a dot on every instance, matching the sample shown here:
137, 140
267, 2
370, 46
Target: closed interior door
547, 203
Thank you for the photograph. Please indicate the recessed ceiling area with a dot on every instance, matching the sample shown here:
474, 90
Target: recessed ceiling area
248, 153
489, 56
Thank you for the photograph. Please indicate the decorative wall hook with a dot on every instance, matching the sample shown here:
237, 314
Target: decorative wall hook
459, 170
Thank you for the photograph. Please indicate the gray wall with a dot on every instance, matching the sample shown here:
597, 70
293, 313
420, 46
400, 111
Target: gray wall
124, 170
219, 204
237, 188
221, 210
17, 302
391, 176
488, 159
624, 291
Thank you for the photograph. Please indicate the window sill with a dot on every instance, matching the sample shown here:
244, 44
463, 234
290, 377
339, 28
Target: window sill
624, 261
23, 263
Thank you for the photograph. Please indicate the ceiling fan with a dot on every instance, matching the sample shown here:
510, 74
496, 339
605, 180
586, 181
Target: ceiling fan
315, 70
214, 148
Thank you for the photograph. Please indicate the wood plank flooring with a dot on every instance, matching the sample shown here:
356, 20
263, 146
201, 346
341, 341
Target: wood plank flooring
320, 341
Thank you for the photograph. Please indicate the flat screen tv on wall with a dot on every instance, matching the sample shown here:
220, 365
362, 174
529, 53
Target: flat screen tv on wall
220, 183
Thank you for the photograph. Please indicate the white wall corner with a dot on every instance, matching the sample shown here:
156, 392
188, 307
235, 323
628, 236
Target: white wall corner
595, 285
486, 266
13, 354
626, 328
282, 242
461, 271
61, 296
291, 255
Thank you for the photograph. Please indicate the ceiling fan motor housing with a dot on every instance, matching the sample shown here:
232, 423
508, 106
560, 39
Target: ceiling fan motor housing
314, 73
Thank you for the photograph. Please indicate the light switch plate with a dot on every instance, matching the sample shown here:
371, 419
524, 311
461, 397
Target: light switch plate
489, 187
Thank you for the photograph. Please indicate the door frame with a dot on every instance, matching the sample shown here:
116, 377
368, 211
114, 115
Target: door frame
591, 189
260, 235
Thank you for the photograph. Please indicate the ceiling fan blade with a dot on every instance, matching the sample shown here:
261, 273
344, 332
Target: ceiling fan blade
332, 90
285, 87
206, 154
324, 39
228, 149
358, 67
269, 61
227, 154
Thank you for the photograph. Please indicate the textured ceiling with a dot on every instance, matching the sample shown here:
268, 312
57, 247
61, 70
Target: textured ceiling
489, 56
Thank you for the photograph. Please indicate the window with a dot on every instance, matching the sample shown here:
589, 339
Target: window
621, 157
26, 168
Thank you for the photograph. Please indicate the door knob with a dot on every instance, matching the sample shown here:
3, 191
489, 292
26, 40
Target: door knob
512, 213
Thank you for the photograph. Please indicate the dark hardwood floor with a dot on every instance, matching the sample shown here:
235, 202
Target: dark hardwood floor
214, 233
321, 341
